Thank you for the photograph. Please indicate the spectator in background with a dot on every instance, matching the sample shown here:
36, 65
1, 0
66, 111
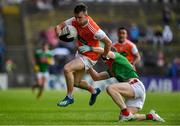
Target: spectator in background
160, 59
174, 67
44, 5
2, 45
149, 34
1, 26
167, 34
51, 37
134, 33
166, 15
10, 66
6, 2
142, 35
113, 35
158, 37
178, 21
2, 53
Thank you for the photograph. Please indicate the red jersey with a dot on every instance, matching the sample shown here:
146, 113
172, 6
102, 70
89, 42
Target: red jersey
87, 35
127, 49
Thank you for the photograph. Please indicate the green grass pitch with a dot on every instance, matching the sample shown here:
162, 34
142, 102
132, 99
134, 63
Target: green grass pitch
20, 107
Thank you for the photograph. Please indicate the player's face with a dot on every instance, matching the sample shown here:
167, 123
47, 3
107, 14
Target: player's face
81, 18
122, 34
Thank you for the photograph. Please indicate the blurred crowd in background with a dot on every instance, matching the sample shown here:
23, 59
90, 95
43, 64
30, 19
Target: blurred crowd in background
152, 41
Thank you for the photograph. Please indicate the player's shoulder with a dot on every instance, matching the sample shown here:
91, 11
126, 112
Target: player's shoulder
70, 21
130, 43
92, 24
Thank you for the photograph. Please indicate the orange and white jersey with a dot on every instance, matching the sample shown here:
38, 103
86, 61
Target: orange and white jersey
90, 34
127, 49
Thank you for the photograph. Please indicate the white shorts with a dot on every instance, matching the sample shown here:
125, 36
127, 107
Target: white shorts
140, 94
42, 74
87, 62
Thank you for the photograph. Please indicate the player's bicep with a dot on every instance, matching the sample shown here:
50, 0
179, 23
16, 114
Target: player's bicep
106, 41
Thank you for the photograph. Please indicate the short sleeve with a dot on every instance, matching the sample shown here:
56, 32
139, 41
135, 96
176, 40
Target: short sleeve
69, 21
134, 50
100, 34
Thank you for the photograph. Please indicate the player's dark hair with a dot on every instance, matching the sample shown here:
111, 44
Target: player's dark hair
122, 28
80, 8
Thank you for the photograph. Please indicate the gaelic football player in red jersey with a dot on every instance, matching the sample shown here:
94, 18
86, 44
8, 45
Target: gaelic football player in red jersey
126, 47
89, 34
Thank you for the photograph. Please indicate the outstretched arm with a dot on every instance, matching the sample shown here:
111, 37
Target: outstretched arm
99, 50
98, 76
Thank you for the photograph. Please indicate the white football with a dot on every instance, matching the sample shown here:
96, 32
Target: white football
68, 33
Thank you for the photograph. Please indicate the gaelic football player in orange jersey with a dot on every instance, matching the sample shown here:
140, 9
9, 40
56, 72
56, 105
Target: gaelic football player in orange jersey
89, 34
126, 47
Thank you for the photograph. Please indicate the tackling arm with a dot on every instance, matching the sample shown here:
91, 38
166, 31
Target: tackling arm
99, 50
98, 76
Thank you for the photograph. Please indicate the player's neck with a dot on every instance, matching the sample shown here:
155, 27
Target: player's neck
121, 42
85, 23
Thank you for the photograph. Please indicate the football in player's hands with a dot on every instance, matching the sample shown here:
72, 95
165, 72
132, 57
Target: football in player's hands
68, 33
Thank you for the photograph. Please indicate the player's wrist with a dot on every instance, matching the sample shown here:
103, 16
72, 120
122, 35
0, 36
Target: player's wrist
103, 57
91, 48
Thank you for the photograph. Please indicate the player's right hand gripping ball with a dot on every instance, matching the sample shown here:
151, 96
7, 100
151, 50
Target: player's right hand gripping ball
68, 34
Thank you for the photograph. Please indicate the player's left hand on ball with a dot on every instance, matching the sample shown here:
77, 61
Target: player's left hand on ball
65, 35
85, 48
64, 31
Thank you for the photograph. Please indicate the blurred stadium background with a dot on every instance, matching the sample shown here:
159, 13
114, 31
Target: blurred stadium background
154, 26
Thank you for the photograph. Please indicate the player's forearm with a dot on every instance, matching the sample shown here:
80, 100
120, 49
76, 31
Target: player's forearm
98, 76
136, 60
59, 27
107, 46
93, 74
100, 50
